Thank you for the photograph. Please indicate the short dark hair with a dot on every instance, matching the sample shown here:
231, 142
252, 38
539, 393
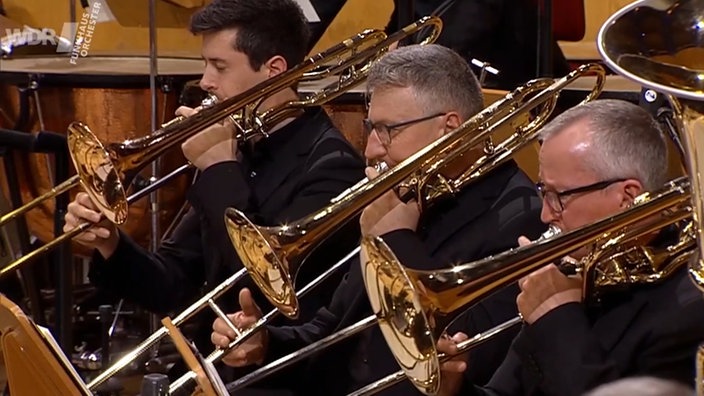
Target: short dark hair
265, 28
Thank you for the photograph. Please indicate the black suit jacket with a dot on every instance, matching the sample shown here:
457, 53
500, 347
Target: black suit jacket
649, 331
483, 219
501, 32
294, 172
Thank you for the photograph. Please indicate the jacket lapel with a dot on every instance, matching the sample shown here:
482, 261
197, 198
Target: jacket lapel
308, 133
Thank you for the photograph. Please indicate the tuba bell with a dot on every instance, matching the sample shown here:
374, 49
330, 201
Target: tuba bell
658, 44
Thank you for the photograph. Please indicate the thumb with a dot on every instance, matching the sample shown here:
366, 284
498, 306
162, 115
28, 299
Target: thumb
523, 241
459, 337
249, 307
371, 172
186, 111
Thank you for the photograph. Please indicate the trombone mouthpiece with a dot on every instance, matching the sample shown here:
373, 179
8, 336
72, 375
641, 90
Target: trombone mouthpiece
381, 167
567, 264
209, 100
550, 232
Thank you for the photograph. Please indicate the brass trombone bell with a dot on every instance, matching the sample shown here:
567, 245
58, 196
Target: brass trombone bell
414, 307
84, 144
76, 179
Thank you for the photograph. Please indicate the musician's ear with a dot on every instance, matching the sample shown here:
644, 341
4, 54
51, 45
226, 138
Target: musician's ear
629, 190
276, 65
452, 120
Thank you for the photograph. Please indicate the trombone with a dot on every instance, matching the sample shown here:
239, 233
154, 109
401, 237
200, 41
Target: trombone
364, 49
414, 307
272, 255
105, 171
634, 50
537, 94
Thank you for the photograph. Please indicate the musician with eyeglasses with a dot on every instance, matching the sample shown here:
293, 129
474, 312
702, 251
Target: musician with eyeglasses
303, 163
417, 94
594, 160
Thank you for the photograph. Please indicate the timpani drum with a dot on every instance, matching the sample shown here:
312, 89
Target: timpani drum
112, 96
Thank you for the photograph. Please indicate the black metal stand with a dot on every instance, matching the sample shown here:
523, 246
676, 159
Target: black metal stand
29, 281
545, 40
13, 287
105, 312
63, 265
113, 386
406, 13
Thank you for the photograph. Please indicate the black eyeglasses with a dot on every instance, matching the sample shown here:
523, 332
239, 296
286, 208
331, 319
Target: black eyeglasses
384, 130
554, 198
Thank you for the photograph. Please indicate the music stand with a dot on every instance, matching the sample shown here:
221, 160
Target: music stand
33, 361
206, 376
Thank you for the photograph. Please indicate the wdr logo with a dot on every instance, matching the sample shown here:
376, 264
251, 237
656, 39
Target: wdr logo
29, 36
79, 36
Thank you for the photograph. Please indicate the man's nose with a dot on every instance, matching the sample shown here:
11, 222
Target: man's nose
547, 215
374, 148
206, 83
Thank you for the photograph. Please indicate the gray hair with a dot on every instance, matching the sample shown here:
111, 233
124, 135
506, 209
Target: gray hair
642, 386
440, 78
627, 141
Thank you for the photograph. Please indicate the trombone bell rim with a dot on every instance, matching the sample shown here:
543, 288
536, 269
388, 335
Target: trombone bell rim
661, 76
262, 262
401, 317
98, 174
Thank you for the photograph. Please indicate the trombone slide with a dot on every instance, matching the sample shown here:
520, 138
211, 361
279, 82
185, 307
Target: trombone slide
302, 353
462, 347
219, 353
56, 190
84, 226
162, 332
